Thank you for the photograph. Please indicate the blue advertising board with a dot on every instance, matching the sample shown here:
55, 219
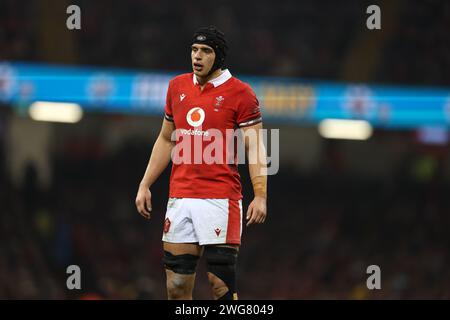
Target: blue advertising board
282, 99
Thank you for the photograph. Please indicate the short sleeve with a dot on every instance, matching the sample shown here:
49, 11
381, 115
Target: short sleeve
168, 114
248, 110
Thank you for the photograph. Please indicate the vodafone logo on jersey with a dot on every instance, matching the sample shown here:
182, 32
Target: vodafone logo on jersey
195, 116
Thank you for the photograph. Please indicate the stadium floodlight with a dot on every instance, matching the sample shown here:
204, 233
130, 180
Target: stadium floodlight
55, 111
345, 129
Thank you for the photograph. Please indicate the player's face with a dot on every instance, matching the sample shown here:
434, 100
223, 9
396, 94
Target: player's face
203, 57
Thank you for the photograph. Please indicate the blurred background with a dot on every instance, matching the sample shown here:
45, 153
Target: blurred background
338, 204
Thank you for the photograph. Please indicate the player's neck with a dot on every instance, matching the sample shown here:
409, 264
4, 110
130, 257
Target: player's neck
204, 80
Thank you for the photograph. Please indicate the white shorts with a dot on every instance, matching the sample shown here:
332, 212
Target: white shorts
206, 221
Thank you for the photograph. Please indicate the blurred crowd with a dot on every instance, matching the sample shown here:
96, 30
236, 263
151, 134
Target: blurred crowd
323, 231
294, 38
308, 39
419, 49
17, 32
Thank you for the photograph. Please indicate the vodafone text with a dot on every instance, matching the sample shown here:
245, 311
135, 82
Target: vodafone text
197, 146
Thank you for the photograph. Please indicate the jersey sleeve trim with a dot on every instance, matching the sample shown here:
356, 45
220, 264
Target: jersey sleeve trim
168, 117
250, 122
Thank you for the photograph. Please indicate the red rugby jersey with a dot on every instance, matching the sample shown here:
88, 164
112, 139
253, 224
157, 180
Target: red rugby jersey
225, 103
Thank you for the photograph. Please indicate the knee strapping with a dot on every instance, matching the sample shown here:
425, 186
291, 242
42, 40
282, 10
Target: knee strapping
221, 261
182, 263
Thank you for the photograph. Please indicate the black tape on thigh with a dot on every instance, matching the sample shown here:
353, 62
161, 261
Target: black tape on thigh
182, 264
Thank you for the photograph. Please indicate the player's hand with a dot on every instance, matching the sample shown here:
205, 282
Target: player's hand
143, 201
257, 211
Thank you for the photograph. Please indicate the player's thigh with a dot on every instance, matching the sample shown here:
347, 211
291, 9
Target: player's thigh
177, 276
183, 248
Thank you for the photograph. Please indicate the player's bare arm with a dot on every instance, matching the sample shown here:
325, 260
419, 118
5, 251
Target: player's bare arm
257, 210
159, 159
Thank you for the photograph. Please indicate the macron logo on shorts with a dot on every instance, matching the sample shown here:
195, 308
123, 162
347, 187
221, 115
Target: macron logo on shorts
217, 230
